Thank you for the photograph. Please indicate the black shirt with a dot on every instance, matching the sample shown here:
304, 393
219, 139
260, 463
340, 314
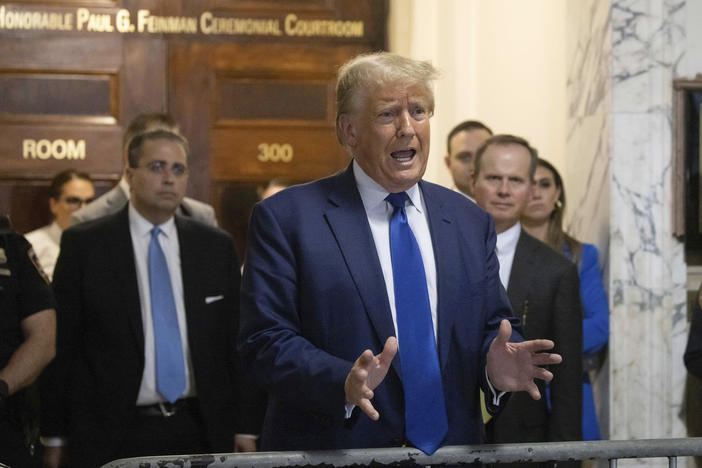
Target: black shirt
24, 290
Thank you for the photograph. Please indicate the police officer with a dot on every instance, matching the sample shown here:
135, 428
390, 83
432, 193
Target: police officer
27, 337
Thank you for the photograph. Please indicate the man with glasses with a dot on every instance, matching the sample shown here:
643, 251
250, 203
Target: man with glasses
148, 311
69, 191
114, 200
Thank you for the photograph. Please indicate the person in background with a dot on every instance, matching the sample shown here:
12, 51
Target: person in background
69, 191
543, 289
114, 200
147, 317
462, 143
543, 219
274, 186
693, 352
27, 339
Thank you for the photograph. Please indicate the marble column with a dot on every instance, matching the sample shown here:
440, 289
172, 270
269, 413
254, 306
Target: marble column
588, 146
648, 272
627, 54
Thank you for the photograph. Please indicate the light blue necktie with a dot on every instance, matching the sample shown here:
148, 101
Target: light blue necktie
425, 411
170, 369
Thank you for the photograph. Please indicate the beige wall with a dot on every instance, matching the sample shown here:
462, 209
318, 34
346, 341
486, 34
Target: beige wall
502, 61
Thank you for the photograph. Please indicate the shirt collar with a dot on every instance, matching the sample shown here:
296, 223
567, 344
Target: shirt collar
54, 232
373, 194
507, 240
143, 227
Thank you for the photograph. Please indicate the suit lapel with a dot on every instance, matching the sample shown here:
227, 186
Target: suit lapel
445, 244
347, 219
126, 276
522, 269
190, 268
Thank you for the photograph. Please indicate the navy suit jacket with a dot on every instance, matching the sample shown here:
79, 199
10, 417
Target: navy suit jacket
314, 298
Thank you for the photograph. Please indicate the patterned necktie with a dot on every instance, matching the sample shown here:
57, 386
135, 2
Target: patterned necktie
170, 369
425, 411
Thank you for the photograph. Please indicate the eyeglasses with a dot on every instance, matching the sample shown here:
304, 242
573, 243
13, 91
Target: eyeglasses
161, 167
77, 201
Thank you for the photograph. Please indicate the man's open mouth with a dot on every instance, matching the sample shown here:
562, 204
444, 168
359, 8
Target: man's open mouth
403, 155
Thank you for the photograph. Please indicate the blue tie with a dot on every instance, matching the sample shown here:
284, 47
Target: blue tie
170, 369
425, 411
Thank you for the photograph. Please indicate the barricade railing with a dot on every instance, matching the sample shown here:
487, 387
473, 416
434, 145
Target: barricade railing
611, 450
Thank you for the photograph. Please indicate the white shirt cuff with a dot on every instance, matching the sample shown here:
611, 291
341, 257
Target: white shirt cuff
348, 407
54, 441
495, 396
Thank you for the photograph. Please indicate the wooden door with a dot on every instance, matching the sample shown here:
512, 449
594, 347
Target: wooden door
251, 84
64, 96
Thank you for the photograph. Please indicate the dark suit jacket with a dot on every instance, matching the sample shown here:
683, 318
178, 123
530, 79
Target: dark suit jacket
314, 298
100, 357
544, 293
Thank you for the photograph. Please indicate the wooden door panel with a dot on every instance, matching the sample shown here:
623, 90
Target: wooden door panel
64, 99
232, 94
39, 151
259, 154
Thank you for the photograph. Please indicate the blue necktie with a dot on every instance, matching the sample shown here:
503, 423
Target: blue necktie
425, 411
170, 369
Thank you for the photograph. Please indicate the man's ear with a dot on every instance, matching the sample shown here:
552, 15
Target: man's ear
472, 179
447, 160
347, 126
129, 174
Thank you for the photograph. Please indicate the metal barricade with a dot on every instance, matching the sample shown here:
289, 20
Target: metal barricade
611, 450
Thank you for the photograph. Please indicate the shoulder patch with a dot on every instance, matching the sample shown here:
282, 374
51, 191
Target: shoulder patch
35, 261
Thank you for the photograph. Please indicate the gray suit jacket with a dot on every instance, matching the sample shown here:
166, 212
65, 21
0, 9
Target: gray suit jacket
114, 200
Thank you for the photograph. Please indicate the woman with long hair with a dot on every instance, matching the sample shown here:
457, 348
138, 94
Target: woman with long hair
543, 219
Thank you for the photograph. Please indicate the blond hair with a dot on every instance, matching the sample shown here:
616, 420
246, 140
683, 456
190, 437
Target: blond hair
367, 72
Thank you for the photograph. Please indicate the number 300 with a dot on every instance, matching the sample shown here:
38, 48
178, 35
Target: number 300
274, 152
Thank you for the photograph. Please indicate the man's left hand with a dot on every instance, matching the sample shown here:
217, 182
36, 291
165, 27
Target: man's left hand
513, 367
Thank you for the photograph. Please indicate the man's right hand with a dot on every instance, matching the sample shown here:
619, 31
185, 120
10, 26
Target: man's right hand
54, 457
366, 374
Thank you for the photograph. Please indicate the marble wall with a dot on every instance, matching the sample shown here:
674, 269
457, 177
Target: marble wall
622, 66
587, 175
647, 269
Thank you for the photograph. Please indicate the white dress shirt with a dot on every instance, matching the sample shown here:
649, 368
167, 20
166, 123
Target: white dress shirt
505, 247
379, 211
140, 230
46, 242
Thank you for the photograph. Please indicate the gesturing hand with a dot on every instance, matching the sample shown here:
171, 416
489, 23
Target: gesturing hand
514, 366
366, 374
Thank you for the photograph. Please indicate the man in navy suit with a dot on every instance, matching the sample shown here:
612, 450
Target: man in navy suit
320, 303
